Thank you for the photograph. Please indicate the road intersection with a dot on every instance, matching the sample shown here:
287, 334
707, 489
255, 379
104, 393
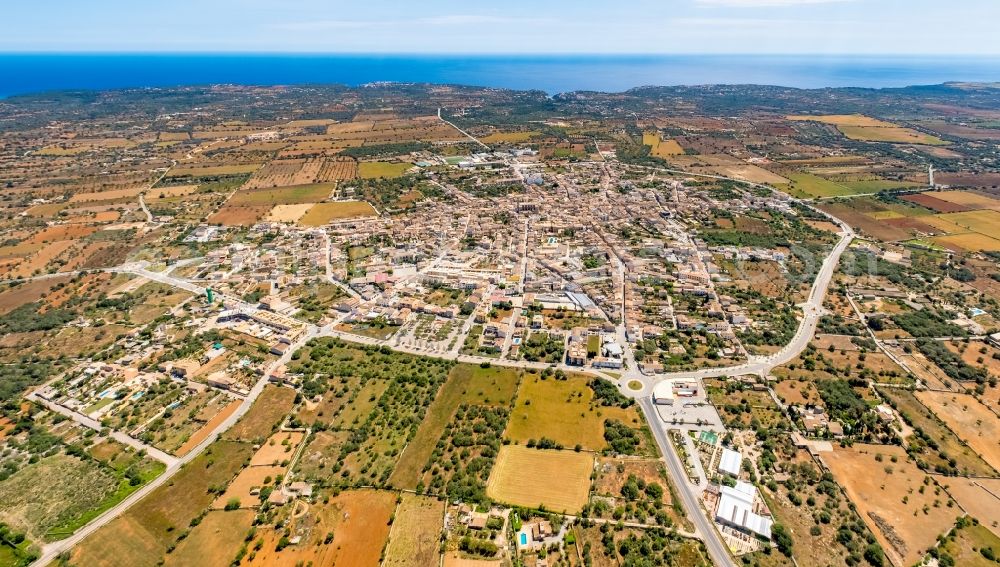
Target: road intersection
812, 311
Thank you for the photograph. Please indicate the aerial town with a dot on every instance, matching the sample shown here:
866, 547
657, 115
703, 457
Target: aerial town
415, 325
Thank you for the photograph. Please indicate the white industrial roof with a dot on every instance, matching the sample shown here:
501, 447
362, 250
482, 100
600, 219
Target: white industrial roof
663, 390
730, 462
736, 508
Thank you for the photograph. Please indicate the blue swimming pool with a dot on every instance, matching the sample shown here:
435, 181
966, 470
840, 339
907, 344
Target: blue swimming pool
524, 539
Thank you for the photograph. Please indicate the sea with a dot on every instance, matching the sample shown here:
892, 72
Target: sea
29, 73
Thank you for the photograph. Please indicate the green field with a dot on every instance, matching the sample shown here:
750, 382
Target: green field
467, 384
876, 185
807, 185
377, 169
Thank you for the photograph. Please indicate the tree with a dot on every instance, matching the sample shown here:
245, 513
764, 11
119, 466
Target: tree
783, 540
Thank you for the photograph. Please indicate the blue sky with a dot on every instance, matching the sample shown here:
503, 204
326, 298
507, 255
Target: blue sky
505, 26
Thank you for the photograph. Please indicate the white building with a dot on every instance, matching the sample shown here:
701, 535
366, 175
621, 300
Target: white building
663, 393
736, 507
730, 462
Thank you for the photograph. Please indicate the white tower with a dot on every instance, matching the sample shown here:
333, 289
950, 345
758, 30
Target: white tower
930, 176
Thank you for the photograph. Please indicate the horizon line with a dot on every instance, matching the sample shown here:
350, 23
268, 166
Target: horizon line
553, 54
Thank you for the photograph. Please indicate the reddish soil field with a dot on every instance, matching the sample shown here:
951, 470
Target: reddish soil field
239, 216
27, 292
941, 206
911, 224
207, 429
968, 179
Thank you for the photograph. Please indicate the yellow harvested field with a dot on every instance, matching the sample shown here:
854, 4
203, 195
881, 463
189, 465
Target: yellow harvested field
168, 192
288, 213
659, 147
894, 134
751, 173
943, 224
985, 221
214, 541
279, 448
240, 488
322, 213
174, 136
415, 537
970, 241
973, 422
563, 411
309, 122
969, 199
106, 195
843, 120
889, 499
46, 210
868, 129
979, 497
559, 480
382, 169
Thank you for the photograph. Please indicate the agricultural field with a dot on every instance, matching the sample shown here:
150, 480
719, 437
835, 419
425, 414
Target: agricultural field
932, 442
558, 480
52, 492
979, 497
286, 195
382, 169
348, 530
214, 541
969, 419
564, 411
970, 199
902, 506
509, 137
970, 545
867, 129
809, 185
238, 215
208, 170
403, 387
264, 416
466, 385
142, 535
660, 147
323, 213
288, 213
414, 540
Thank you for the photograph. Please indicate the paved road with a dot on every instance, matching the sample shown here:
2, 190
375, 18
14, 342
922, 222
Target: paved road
467, 135
119, 436
52, 550
812, 311
145, 209
703, 526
